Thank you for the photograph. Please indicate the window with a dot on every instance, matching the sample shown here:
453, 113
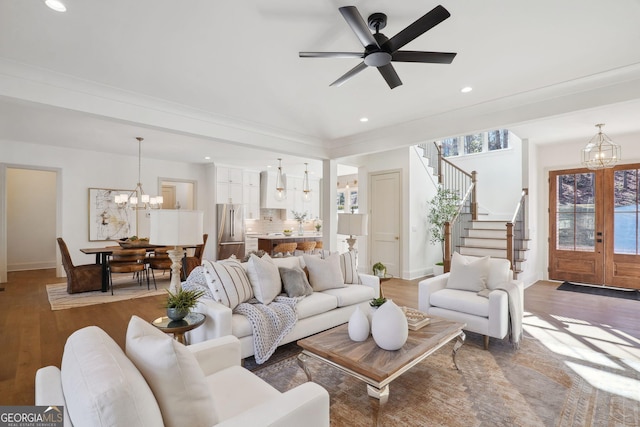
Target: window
477, 143
340, 201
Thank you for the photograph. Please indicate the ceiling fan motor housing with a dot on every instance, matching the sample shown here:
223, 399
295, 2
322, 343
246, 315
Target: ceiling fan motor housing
375, 56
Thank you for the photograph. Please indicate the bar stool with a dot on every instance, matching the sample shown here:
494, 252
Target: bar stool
306, 247
318, 248
285, 248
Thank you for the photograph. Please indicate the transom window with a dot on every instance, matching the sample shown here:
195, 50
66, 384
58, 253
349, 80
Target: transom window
477, 143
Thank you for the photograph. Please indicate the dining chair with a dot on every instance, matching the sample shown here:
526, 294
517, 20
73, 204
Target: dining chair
80, 278
191, 262
128, 261
159, 260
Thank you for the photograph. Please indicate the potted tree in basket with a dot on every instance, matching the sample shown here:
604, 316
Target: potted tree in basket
443, 208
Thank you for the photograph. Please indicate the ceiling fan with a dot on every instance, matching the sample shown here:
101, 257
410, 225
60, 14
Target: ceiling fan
380, 51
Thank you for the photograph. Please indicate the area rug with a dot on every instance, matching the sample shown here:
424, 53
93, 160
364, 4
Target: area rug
123, 289
599, 290
500, 387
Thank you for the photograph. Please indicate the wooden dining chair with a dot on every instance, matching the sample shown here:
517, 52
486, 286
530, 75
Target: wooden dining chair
128, 261
159, 260
191, 262
80, 278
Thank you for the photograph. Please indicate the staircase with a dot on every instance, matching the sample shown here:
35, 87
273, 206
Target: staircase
489, 238
505, 238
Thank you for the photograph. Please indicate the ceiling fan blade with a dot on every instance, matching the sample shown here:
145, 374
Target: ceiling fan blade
428, 57
357, 24
390, 75
352, 72
331, 55
419, 27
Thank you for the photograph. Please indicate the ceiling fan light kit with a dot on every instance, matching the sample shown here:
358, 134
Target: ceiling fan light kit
380, 51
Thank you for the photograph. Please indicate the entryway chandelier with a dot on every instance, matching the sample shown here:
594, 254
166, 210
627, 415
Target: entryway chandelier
601, 152
138, 199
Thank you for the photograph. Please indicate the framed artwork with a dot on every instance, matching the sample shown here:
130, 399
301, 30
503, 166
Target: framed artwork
106, 220
353, 201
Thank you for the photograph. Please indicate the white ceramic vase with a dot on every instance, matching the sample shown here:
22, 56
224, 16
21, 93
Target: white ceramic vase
358, 325
389, 326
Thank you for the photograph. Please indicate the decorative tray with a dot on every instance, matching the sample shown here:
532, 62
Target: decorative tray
415, 318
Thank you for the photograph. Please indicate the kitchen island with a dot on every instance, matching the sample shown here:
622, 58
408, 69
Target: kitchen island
267, 242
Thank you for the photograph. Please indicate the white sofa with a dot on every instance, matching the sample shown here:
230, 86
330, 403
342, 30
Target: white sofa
160, 382
487, 315
316, 313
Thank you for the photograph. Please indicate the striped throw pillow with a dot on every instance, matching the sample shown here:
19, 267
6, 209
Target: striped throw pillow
349, 267
228, 282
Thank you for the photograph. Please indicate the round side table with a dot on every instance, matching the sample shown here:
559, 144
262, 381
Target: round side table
179, 327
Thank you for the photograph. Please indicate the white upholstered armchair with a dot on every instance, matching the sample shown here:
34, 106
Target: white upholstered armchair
477, 292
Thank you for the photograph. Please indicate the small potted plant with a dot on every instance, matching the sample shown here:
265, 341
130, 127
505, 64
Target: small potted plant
181, 302
379, 270
300, 217
377, 302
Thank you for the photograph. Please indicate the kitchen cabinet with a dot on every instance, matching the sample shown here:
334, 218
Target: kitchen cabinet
229, 185
251, 195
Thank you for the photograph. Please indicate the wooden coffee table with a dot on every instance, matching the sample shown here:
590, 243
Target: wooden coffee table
371, 364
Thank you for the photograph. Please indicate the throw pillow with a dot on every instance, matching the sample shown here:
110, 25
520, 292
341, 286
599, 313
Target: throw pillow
468, 274
349, 268
324, 273
287, 262
173, 373
264, 278
228, 282
295, 282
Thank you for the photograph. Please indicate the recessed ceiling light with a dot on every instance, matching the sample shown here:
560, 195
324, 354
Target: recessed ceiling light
207, 158
56, 5
466, 89
364, 119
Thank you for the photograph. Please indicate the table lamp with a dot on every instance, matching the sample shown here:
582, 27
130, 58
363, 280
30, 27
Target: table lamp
177, 228
352, 224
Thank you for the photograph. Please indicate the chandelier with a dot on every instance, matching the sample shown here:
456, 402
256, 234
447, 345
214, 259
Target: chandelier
281, 188
601, 152
138, 199
306, 190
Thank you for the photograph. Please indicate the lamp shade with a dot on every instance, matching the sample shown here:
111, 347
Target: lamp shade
175, 227
352, 224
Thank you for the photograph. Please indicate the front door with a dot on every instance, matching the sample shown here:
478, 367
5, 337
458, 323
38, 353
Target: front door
594, 219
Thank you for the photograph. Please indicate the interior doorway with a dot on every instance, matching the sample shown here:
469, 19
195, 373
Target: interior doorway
177, 193
594, 226
385, 220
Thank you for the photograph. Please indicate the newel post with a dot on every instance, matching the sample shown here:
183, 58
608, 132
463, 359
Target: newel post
510, 244
447, 247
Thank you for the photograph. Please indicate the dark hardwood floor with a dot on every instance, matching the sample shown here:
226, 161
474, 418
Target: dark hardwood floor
33, 336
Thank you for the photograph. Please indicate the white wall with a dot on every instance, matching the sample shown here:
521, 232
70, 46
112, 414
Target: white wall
82, 170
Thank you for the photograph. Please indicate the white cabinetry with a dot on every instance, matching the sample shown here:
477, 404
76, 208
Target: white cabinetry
251, 195
268, 190
229, 185
250, 244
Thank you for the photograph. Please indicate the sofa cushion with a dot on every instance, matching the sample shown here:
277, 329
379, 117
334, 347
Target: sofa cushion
228, 282
236, 390
349, 267
294, 282
324, 273
461, 301
316, 303
102, 386
240, 326
468, 274
352, 294
264, 278
173, 373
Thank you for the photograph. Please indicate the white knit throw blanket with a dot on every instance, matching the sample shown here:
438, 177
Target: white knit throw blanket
270, 323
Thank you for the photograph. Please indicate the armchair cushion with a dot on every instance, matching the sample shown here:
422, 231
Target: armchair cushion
462, 301
468, 274
173, 373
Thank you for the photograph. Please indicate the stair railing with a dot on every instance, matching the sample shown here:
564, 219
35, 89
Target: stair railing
516, 230
454, 229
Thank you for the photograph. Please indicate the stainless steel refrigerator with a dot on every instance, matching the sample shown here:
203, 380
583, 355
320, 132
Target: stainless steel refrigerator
230, 231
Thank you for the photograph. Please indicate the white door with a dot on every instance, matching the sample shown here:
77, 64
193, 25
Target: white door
384, 220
